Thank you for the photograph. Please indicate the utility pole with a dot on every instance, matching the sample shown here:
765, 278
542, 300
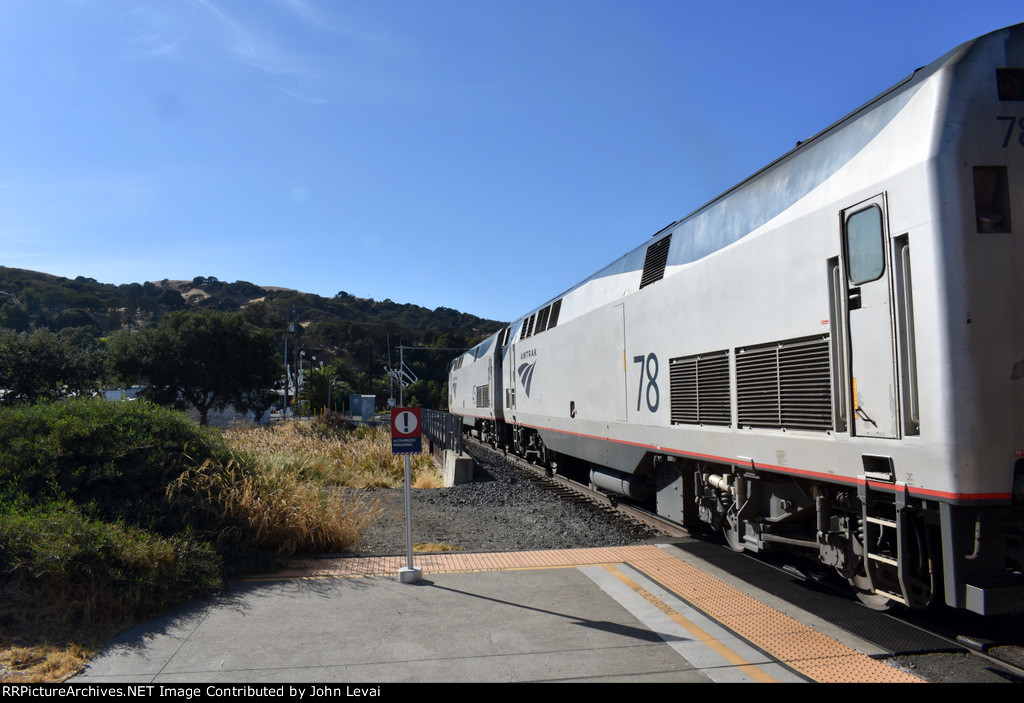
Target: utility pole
403, 375
284, 410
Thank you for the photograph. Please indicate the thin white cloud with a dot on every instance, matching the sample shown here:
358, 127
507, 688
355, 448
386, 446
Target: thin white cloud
206, 32
303, 10
249, 44
312, 53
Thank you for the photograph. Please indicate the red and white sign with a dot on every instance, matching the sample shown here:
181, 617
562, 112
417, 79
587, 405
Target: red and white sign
405, 431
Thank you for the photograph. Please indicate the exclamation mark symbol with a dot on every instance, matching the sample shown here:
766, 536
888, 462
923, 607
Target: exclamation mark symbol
405, 423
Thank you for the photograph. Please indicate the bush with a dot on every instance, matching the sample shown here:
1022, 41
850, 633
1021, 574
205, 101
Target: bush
112, 512
113, 460
65, 576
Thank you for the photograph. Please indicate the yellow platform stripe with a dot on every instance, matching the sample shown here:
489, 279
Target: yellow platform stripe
699, 633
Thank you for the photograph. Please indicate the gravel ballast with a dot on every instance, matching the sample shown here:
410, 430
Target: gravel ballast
501, 510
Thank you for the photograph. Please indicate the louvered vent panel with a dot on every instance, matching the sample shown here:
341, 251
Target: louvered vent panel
806, 383
542, 320
713, 389
757, 387
785, 385
683, 378
700, 389
528, 326
556, 307
483, 396
654, 261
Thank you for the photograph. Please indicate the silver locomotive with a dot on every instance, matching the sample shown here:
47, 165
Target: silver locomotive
829, 357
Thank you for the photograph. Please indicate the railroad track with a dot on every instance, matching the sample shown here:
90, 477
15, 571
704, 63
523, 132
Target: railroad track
995, 644
994, 640
989, 648
568, 489
1007, 656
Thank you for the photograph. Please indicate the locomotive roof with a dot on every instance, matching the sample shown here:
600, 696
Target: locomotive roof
720, 222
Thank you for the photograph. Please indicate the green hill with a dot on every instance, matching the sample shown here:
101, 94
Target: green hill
357, 331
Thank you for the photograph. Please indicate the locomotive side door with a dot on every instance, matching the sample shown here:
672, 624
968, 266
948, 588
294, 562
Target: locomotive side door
869, 319
510, 382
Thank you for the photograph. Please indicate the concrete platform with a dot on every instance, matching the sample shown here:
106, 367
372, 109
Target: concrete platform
647, 613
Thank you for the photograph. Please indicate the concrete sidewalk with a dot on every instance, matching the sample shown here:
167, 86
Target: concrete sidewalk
599, 619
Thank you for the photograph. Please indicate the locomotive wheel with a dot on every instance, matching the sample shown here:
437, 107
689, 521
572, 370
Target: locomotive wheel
517, 445
542, 452
862, 588
731, 532
918, 583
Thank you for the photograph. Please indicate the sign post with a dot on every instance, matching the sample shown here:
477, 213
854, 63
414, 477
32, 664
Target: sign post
406, 440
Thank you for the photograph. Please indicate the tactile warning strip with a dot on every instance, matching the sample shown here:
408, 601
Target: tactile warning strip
783, 637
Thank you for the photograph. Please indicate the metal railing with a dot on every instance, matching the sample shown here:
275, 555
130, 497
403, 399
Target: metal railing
443, 429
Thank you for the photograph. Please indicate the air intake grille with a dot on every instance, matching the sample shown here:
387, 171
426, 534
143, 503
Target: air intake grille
654, 261
483, 396
541, 320
785, 385
700, 389
556, 307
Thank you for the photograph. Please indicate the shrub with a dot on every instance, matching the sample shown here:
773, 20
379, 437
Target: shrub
65, 576
114, 460
113, 512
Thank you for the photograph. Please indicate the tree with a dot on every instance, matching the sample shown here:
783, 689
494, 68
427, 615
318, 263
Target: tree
15, 317
207, 359
42, 365
324, 386
426, 393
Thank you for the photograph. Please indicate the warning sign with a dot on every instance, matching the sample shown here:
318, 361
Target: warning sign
405, 431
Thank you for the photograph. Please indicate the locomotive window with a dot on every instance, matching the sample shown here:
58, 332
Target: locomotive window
865, 250
992, 199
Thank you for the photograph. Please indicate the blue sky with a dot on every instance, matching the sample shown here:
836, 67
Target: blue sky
482, 155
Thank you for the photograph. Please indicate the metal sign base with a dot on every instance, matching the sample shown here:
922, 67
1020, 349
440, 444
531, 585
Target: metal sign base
410, 574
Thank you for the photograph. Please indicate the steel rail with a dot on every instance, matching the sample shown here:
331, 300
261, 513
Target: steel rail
604, 501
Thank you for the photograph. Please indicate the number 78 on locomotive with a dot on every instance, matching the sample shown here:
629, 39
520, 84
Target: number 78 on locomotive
827, 359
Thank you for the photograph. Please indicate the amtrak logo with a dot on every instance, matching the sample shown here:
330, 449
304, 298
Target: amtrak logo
525, 372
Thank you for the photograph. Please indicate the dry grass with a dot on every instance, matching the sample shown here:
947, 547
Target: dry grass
273, 508
436, 547
71, 583
360, 458
45, 662
282, 492
42, 664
